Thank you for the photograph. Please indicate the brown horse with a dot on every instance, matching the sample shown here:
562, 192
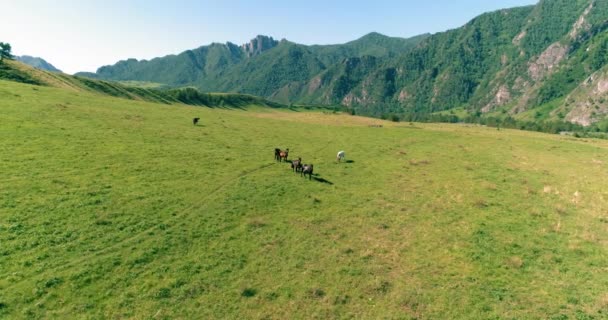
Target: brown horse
283, 155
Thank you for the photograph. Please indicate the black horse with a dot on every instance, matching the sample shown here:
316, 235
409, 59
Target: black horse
277, 154
195, 121
307, 169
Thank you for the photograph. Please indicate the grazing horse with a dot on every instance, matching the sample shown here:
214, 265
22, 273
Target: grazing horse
283, 155
277, 153
340, 156
306, 169
296, 165
195, 121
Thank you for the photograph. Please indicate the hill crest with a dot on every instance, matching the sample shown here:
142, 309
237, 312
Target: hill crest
37, 62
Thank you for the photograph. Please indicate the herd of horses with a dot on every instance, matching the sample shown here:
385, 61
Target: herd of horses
296, 165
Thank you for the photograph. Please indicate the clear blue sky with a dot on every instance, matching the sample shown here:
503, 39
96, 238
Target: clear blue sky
82, 35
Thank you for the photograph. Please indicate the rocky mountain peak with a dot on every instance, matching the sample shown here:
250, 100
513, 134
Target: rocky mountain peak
258, 45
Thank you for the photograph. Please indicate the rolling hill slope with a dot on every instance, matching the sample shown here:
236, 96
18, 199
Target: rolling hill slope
121, 208
16, 71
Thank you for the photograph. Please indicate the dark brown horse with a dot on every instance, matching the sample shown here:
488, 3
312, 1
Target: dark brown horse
195, 121
277, 154
307, 169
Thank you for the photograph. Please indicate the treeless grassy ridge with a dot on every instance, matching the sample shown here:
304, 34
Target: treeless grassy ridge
114, 208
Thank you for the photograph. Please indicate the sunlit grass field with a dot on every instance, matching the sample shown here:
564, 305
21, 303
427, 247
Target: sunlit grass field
123, 209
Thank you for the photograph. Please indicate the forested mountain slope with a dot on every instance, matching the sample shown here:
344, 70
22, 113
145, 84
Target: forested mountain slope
542, 62
263, 67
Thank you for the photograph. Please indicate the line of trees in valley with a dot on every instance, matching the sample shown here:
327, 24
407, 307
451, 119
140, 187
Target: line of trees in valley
597, 130
193, 96
497, 122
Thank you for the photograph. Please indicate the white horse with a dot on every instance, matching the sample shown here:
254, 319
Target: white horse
340, 156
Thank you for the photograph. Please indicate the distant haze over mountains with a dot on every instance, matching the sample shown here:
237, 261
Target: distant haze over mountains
547, 61
37, 63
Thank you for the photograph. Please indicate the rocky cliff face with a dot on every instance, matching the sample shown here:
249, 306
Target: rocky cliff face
550, 58
258, 45
588, 103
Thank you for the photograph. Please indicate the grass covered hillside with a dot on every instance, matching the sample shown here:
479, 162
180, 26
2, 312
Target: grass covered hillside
116, 208
132, 90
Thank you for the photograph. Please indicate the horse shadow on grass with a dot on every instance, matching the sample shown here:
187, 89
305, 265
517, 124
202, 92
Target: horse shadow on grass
322, 180
350, 161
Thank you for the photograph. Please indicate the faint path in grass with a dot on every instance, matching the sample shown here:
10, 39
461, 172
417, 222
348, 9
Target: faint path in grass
323, 148
110, 249
62, 173
141, 234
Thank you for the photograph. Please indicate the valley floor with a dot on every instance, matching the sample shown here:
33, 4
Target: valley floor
123, 209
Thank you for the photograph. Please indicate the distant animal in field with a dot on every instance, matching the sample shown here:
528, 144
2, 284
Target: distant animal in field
340, 156
277, 154
296, 165
283, 154
307, 170
195, 121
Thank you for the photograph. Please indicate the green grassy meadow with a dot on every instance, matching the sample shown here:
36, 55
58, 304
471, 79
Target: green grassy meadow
122, 209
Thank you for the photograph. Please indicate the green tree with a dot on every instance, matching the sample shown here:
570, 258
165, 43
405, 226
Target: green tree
5, 51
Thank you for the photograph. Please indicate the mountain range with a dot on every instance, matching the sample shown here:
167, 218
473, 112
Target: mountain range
542, 62
263, 67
